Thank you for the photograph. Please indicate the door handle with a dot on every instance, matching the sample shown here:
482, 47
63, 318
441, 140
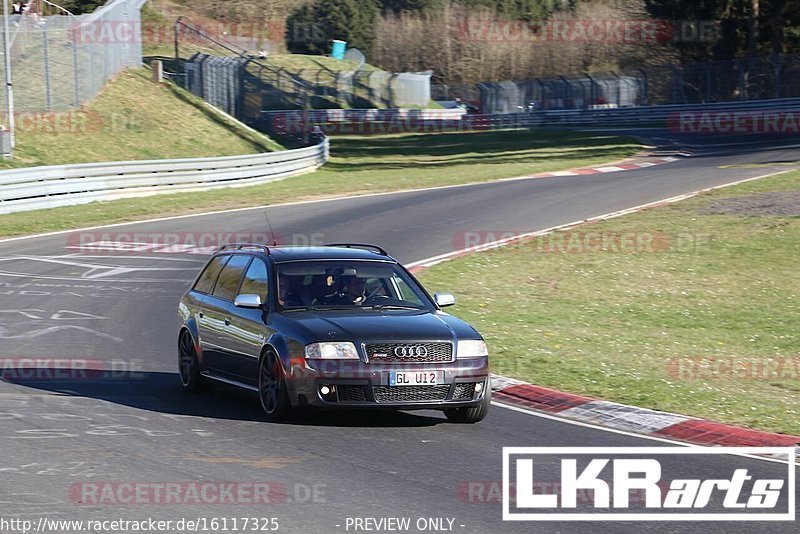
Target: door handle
227, 321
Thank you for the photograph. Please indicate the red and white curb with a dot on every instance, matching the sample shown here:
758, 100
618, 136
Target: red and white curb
606, 168
634, 419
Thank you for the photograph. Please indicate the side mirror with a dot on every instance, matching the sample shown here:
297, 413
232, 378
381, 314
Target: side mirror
444, 299
248, 300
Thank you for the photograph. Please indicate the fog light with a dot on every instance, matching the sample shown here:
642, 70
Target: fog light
325, 390
478, 387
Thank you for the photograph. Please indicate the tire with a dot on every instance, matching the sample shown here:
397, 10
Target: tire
272, 391
473, 414
189, 365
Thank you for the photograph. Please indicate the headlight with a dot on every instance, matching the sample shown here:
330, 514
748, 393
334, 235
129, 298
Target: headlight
332, 351
471, 348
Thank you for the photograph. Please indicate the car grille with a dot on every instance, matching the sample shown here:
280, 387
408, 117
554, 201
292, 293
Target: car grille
385, 352
464, 391
351, 393
410, 393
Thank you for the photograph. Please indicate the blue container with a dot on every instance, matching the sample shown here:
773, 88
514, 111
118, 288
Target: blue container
338, 49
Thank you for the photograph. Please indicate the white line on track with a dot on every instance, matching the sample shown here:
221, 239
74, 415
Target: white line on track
433, 260
544, 415
297, 203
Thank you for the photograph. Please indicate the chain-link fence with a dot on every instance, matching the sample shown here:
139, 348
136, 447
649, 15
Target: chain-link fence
244, 87
694, 83
59, 62
261, 85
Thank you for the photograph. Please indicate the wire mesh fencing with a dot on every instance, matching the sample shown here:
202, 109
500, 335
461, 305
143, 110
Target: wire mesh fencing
263, 85
692, 83
59, 62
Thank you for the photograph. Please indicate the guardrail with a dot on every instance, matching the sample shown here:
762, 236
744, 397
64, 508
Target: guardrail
64, 185
296, 122
627, 116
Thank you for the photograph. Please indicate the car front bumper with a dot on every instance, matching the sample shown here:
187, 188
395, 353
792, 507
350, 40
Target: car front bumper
360, 385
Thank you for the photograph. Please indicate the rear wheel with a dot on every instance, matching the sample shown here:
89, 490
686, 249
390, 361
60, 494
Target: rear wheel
472, 414
189, 365
272, 391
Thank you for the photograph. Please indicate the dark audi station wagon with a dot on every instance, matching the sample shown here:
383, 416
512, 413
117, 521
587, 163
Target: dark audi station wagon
334, 326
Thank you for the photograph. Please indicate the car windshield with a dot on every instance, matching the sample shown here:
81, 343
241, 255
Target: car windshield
337, 284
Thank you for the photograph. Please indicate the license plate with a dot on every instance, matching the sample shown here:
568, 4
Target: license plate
415, 378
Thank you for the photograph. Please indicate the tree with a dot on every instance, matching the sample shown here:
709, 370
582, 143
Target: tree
319, 23
79, 7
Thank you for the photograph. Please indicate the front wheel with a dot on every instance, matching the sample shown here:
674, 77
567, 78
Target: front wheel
272, 388
474, 413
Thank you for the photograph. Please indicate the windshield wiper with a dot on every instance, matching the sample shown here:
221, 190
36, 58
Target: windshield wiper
320, 308
393, 307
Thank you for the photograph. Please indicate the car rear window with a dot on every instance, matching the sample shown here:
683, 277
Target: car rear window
205, 283
231, 275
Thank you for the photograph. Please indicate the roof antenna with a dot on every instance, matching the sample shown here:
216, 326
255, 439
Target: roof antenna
269, 225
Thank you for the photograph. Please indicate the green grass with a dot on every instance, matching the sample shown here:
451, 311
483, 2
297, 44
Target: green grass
615, 324
361, 165
131, 119
301, 62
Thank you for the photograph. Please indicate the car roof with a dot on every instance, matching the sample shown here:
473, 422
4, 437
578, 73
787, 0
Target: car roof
292, 253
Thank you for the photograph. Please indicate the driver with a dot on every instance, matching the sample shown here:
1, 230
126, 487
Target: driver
351, 292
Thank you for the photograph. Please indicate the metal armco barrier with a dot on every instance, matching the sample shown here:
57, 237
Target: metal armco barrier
63, 185
647, 115
372, 122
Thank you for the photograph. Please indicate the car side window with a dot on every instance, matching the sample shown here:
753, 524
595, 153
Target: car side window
255, 280
406, 293
205, 283
231, 275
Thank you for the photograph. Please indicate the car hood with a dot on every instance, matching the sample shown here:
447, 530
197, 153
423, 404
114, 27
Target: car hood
362, 326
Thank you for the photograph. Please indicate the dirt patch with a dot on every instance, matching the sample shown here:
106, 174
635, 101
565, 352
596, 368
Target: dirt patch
779, 203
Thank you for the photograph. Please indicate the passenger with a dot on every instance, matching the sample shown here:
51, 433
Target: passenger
287, 296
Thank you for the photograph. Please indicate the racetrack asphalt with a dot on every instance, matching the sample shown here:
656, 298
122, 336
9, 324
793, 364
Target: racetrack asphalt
119, 311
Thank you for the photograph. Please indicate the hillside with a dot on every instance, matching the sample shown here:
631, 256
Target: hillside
131, 119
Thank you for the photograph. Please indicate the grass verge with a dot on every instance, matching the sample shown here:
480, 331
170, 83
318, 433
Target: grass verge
360, 165
689, 308
133, 118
